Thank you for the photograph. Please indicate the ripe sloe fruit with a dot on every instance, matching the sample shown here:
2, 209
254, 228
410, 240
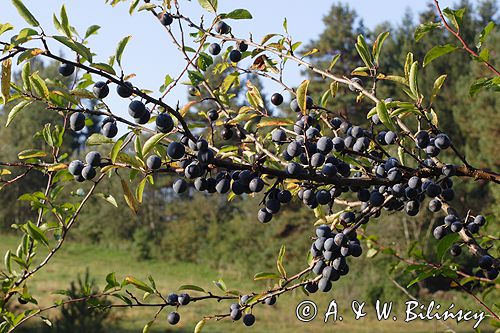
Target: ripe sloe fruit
248, 319
101, 89
277, 99
179, 185
136, 109
173, 318
93, 158
109, 129
214, 49
164, 123
222, 28
166, 19
235, 55
66, 69
75, 167
175, 150
77, 121
88, 172
153, 162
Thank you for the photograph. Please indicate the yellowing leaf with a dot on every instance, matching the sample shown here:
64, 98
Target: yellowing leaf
5, 81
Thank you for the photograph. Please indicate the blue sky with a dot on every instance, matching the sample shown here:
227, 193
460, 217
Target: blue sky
151, 56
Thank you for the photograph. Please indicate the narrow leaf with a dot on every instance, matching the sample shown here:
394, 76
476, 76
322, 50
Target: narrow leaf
199, 327
438, 51
129, 197
191, 287
25, 13
377, 45
107, 197
423, 29
121, 48
5, 80
238, 14
116, 147
302, 95
437, 86
13, 112
210, 5
384, 117
36, 233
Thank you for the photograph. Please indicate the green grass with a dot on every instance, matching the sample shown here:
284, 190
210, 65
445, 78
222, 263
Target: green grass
75, 259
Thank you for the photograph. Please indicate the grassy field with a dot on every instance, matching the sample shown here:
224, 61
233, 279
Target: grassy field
76, 258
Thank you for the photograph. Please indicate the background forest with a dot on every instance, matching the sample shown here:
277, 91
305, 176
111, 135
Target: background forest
194, 228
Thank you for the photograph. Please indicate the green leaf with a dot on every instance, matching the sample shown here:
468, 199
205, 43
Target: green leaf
121, 48
140, 189
152, 142
195, 77
438, 51
148, 326
237, 14
220, 284
279, 262
133, 6
36, 233
455, 16
363, 51
437, 86
31, 153
104, 67
412, 79
65, 21
98, 139
108, 197
493, 83
25, 76
111, 282
484, 34
204, 61
377, 45
39, 86
25, 13
5, 80
138, 284
210, 5
302, 95
13, 112
5, 27
191, 287
265, 276
445, 243
92, 30
79, 48
420, 277
334, 61
229, 81
199, 327
384, 116
423, 29
116, 147
7, 261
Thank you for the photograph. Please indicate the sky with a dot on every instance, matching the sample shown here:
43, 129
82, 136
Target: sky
151, 56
